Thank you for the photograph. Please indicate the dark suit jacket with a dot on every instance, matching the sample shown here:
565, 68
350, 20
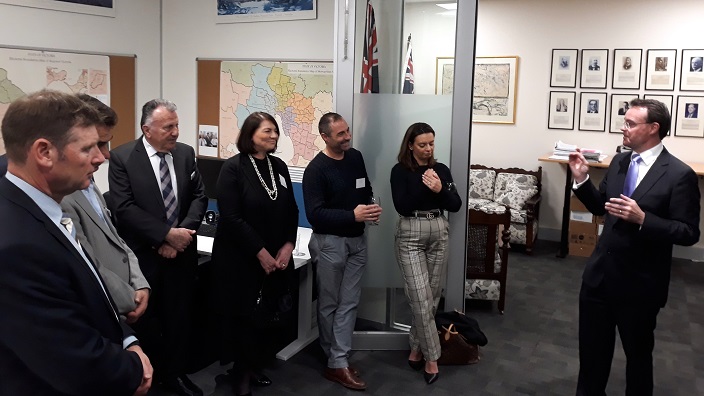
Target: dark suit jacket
635, 264
59, 334
139, 206
3, 165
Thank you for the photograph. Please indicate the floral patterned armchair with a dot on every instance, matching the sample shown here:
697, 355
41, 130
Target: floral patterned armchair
487, 259
491, 189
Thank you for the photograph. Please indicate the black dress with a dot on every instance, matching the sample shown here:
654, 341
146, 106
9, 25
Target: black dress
249, 221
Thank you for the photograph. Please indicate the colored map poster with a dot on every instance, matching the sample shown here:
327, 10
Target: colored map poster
24, 71
296, 94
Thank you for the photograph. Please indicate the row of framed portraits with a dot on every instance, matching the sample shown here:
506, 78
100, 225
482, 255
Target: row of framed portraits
593, 111
660, 66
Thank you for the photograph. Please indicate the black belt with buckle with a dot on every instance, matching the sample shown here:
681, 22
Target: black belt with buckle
427, 214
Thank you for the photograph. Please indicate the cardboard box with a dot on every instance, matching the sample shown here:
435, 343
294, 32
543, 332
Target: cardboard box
581, 250
582, 233
582, 217
577, 205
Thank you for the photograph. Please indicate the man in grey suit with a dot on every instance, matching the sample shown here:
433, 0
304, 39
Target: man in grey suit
116, 262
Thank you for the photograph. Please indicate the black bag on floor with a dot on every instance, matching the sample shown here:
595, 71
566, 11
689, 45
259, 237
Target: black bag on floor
466, 326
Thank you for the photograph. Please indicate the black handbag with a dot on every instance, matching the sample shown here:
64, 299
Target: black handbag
466, 326
272, 309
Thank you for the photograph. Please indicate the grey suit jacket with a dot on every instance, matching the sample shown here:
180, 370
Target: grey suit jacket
115, 260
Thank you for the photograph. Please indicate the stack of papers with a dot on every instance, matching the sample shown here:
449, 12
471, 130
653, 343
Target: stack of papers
562, 151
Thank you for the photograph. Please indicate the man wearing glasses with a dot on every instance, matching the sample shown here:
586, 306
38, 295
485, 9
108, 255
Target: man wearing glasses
650, 201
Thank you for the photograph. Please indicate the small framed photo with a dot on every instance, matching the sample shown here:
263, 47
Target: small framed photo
619, 106
592, 111
690, 116
561, 113
660, 70
627, 64
667, 101
692, 75
595, 65
563, 72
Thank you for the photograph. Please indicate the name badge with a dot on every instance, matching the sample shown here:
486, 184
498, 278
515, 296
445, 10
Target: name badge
361, 183
283, 181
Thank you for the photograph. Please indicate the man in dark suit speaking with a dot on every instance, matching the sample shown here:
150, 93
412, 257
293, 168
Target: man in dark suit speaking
650, 201
160, 201
59, 332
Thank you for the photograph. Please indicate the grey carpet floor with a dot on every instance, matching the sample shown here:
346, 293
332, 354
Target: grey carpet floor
532, 348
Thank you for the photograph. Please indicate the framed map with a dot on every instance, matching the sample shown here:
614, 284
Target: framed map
231, 11
23, 71
296, 94
494, 98
444, 75
91, 7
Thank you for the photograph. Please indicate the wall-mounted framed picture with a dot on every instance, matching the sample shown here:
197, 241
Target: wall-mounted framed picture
627, 65
232, 11
444, 75
620, 104
494, 99
592, 111
595, 67
563, 72
692, 72
690, 116
667, 101
90, 7
660, 69
561, 112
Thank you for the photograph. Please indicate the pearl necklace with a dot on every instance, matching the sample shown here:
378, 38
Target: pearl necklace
273, 194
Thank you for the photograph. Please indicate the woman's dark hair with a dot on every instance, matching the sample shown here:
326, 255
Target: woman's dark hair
405, 155
249, 126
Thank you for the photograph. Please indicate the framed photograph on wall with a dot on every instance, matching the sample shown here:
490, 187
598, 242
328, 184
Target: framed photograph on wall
692, 72
232, 11
690, 116
592, 111
444, 75
90, 7
595, 65
627, 63
494, 99
660, 70
563, 72
561, 112
619, 106
667, 101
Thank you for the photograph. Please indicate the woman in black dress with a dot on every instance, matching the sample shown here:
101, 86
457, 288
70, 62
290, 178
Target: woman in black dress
255, 238
422, 190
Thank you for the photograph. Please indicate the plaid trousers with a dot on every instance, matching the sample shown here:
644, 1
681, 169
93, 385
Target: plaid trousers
421, 253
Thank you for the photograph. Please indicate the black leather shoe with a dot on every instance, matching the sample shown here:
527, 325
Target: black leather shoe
416, 364
259, 380
191, 386
177, 386
430, 377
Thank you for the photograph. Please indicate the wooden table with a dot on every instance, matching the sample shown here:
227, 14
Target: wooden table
564, 231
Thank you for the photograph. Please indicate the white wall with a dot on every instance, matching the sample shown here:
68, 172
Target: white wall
190, 32
134, 31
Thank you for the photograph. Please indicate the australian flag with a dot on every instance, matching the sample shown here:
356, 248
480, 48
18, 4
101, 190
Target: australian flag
407, 81
370, 62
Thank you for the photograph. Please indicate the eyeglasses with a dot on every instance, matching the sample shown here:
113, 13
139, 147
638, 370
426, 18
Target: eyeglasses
627, 125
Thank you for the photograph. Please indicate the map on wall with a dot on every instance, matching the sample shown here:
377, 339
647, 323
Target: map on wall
491, 86
26, 71
296, 94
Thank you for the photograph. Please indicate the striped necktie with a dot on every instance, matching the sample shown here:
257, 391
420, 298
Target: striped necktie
167, 191
631, 176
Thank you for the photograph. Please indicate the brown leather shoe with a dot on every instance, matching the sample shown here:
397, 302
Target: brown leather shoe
345, 377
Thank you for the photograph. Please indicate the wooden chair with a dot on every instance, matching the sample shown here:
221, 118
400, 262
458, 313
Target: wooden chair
487, 262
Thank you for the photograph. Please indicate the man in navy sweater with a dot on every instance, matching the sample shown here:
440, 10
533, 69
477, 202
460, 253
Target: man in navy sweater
336, 191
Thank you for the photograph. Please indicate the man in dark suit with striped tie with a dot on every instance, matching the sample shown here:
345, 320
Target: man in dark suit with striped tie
159, 202
650, 202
